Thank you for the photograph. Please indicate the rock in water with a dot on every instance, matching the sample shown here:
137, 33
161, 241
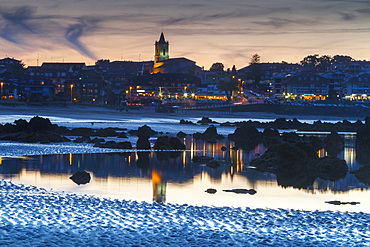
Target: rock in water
242, 191
334, 143
211, 191
81, 177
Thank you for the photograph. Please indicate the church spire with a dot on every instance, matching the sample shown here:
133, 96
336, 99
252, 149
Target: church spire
161, 39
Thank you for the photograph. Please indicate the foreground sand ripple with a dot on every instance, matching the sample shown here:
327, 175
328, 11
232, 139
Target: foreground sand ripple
30, 216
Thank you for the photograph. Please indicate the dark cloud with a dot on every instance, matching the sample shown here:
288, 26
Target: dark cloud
15, 21
74, 33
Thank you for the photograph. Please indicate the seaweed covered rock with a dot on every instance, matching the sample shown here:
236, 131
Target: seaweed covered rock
334, 143
246, 137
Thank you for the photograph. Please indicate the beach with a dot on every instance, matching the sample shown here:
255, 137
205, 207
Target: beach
34, 216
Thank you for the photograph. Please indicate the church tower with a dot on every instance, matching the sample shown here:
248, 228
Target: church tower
161, 49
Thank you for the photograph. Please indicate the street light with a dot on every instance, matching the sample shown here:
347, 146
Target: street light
71, 92
2, 84
130, 96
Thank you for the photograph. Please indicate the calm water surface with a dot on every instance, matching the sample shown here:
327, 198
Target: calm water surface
172, 178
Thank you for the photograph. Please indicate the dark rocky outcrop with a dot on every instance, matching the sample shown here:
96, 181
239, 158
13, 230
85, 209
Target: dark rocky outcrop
246, 137
183, 121
330, 168
177, 144
363, 174
143, 143
40, 124
334, 143
210, 135
122, 135
298, 165
105, 132
206, 120
81, 177
162, 143
82, 139
144, 133
181, 134
169, 143
271, 137
316, 143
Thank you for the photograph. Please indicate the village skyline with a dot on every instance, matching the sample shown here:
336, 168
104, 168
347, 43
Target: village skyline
207, 32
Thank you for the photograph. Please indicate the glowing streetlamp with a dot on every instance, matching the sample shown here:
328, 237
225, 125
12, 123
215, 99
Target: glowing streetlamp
130, 95
71, 93
2, 84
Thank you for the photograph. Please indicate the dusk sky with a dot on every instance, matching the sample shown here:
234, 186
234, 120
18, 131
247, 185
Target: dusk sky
203, 31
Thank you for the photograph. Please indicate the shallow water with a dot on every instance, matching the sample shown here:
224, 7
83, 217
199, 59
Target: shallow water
172, 177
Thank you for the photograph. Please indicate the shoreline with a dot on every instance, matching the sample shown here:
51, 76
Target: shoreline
102, 113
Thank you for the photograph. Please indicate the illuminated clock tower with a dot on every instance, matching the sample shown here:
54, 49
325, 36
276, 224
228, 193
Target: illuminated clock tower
161, 49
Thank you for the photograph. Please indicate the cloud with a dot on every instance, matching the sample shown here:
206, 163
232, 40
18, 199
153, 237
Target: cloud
74, 33
17, 20
282, 22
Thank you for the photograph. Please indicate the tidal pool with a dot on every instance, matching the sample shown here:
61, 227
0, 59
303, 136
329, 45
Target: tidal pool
172, 177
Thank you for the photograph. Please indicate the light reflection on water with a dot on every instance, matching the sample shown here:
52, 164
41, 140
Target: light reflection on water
172, 177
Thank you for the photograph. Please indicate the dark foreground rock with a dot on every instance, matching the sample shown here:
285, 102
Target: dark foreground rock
81, 177
211, 191
342, 203
242, 191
